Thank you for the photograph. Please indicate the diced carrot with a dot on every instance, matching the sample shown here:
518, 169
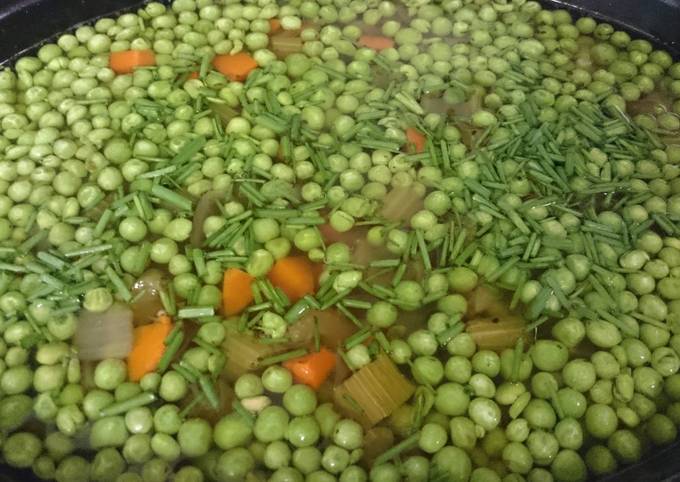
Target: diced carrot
294, 275
312, 369
236, 66
148, 347
376, 42
126, 61
274, 25
193, 75
416, 140
236, 291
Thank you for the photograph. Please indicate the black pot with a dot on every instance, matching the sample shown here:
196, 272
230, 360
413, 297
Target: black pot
24, 24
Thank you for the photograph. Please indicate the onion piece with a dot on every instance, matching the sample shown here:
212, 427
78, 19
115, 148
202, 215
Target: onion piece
146, 307
283, 45
486, 300
334, 328
104, 335
497, 333
401, 203
206, 207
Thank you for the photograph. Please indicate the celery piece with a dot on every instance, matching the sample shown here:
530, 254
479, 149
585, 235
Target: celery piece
373, 392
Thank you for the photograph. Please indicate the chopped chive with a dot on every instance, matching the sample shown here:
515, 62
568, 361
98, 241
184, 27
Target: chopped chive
118, 283
247, 417
186, 374
296, 311
537, 305
33, 241
357, 338
650, 320
14, 268
171, 349
332, 301
359, 304
395, 451
276, 213
253, 195
88, 250
171, 197
398, 274
259, 307
383, 341
451, 332
517, 359
189, 149
343, 309
140, 400
313, 303
191, 405
199, 261
273, 360
305, 221
196, 312
209, 391
425, 255
168, 300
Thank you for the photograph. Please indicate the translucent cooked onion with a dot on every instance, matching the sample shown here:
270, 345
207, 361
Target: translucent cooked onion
283, 46
334, 328
206, 206
401, 203
104, 335
497, 333
147, 305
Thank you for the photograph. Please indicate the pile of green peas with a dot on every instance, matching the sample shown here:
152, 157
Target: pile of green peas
79, 144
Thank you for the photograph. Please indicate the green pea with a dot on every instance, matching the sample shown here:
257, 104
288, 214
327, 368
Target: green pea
303, 431
432, 438
549, 355
625, 446
299, 400
108, 432
579, 375
451, 399
271, 424
568, 465
600, 460
194, 437
21, 449
110, 373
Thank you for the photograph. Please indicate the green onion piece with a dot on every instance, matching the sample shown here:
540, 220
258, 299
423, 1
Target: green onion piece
517, 359
209, 391
537, 305
189, 149
118, 283
273, 360
88, 250
171, 197
243, 413
191, 405
196, 312
186, 374
171, 348
343, 309
393, 452
451, 332
296, 311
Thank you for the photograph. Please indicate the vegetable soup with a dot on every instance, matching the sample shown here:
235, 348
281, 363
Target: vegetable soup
339, 240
